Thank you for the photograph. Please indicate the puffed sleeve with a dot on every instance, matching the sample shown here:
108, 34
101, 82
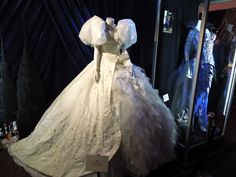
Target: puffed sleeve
93, 32
126, 33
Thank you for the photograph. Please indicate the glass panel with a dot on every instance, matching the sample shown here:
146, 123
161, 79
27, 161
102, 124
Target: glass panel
206, 114
183, 77
224, 55
191, 116
185, 81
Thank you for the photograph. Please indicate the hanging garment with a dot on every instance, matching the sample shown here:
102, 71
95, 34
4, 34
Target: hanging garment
109, 109
183, 85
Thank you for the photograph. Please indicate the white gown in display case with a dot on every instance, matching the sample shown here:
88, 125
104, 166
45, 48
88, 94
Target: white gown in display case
109, 109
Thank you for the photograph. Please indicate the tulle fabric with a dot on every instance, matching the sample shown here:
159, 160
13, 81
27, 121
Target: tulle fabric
146, 123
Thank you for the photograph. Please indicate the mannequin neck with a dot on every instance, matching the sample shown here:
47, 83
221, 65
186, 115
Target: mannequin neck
198, 27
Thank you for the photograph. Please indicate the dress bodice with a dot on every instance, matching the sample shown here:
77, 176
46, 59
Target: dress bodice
191, 45
111, 46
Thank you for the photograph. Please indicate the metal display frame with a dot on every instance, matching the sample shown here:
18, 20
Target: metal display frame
156, 39
187, 147
230, 92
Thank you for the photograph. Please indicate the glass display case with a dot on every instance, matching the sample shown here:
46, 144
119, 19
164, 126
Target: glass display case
199, 87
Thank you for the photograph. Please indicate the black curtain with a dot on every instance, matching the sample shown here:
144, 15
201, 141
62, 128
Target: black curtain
52, 33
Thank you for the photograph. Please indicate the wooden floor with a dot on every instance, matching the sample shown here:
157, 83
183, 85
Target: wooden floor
220, 165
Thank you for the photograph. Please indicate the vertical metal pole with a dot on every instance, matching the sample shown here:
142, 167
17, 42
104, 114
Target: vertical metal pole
156, 36
196, 70
230, 93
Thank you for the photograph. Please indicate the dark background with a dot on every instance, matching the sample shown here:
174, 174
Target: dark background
47, 32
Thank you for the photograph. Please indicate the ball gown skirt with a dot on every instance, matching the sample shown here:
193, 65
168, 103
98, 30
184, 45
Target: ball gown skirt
121, 117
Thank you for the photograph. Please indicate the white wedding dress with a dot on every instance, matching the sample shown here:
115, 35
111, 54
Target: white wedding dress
109, 109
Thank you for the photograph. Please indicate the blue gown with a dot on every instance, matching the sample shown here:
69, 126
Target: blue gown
183, 85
